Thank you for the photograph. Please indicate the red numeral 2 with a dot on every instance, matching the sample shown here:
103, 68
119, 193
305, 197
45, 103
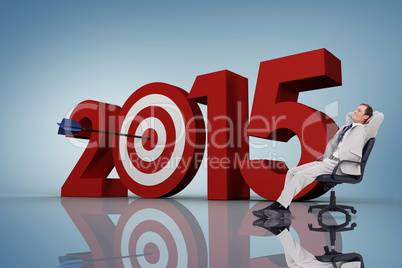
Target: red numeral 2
89, 176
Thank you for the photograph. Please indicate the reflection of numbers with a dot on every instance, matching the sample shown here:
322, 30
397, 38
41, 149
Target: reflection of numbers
89, 176
169, 232
166, 229
91, 217
165, 164
276, 115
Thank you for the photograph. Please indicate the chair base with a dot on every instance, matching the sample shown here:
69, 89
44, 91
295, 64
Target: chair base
333, 207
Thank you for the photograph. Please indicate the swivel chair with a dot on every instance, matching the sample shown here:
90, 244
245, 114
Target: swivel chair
331, 180
334, 256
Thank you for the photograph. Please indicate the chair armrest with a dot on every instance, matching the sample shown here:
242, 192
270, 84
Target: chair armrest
319, 158
348, 258
340, 163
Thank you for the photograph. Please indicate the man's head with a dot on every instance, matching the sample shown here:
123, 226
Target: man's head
362, 113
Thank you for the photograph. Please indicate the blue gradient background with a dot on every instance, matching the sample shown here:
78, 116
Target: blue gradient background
55, 54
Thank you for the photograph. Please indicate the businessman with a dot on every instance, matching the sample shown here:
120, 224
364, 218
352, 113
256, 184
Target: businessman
347, 144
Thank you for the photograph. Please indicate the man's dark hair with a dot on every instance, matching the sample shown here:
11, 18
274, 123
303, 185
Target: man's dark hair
368, 111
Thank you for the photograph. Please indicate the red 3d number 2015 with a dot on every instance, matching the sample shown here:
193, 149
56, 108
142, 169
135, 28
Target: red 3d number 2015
177, 133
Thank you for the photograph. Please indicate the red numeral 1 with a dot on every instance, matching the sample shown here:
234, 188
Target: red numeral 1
226, 95
276, 115
89, 176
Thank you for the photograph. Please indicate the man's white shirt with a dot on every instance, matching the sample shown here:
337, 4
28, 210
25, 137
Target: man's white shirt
336, 152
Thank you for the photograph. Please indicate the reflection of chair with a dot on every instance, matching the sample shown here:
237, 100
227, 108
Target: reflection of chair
333, 179
333, 256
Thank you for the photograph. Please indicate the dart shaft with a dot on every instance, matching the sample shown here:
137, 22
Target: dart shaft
120, 257
114, 133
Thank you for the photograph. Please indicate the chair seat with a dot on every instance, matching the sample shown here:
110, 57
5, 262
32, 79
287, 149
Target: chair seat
347, 257
338, 179
327, 257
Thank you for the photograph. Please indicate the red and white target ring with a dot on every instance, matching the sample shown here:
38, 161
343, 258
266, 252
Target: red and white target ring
161, 245
163, 165
139, 236
163, 228
150, 156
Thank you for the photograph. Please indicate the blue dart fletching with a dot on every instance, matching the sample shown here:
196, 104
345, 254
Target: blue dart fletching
74, 262
68, 258
61, 131
71, 264
69, 123
69, 127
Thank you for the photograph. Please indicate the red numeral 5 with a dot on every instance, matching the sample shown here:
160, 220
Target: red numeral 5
276, 115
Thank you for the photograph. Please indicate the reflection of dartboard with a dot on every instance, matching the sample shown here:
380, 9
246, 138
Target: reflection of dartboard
164, 229
167, 162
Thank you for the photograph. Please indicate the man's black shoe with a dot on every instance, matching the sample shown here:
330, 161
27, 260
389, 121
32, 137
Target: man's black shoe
259, 213
275, 226
275, 210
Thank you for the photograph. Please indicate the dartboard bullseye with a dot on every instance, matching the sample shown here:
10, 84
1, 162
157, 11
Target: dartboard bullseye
165, 163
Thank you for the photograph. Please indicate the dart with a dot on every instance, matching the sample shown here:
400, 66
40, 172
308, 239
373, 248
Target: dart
74, 262
71, 127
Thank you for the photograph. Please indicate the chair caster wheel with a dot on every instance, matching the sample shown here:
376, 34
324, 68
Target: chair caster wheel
353, 211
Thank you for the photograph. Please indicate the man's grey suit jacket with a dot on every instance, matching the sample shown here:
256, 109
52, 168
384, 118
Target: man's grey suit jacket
352, 146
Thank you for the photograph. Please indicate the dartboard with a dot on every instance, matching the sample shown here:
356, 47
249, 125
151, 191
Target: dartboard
166, 159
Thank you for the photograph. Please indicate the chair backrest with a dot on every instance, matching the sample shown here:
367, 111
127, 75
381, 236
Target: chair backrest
330, 182
366, 153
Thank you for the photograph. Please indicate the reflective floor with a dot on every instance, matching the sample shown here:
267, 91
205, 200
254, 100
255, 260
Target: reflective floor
131, 232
